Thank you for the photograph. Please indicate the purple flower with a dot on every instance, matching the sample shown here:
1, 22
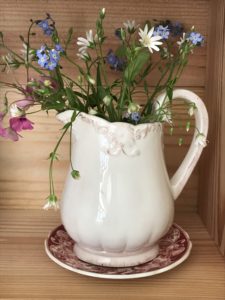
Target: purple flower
59, 48
48, 58
43, 24
18, 124
54, 55
176, 29
2, 130
135, 116
114, 61
7, 132
11, 134
51, 65
25, 103
41, 51
45, 27
43, 60
162, 31
195, 38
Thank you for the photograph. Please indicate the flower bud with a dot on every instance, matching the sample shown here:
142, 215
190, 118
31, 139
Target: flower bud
133, 107
92, 111
107, 100
91, 80
102, 13
15, 111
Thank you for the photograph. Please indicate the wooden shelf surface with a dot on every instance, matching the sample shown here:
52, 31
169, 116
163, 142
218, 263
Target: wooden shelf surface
27, 273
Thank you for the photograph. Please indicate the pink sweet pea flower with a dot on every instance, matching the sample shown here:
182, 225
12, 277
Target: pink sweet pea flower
7, 132
2, 130
18, 124
25, 103
11, 134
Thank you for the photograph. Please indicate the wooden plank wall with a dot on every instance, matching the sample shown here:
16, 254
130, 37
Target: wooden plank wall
212, 170
24, 168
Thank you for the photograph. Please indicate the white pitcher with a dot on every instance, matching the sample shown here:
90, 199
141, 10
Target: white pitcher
123, 202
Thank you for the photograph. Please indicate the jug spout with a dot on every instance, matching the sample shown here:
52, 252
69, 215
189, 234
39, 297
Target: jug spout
65, 117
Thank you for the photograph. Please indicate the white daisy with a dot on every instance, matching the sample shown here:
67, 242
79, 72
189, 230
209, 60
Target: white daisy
148, 40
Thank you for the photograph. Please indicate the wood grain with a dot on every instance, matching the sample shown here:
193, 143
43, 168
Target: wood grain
212, 169
27, 273
25, 184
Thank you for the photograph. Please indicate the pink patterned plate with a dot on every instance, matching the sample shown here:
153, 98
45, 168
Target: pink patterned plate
175, 247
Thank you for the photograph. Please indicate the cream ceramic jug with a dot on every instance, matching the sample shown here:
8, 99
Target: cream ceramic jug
123, 202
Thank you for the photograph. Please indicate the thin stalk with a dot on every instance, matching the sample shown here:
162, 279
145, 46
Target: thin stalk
52, 158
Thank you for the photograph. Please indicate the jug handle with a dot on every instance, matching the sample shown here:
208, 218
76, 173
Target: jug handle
184, 171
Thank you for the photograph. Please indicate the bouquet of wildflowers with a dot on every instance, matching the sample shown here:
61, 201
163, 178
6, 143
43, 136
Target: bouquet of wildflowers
162, 45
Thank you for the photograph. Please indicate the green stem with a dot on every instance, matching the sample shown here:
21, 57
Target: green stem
51, 182
28, 49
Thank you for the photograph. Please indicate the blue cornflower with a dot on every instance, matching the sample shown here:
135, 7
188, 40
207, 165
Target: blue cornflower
43, 60
114, 61
162, 31
59, 48
54, 55
195, 38
135, 116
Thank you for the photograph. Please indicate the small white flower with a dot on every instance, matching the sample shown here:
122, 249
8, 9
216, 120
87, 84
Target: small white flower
30, 53
107, 100
15, 111
92, 111
148, 40
182, 40
10, 61
82, 54
85, 43
133, 107
191, 109
51, 204
166, 116
130, 25
201, 140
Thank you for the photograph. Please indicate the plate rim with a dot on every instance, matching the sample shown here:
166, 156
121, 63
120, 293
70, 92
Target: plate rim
121, 276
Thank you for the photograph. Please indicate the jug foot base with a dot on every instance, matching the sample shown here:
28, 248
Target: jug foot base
113, 259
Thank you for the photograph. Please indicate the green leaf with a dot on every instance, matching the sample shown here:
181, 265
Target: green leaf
69, 37
74, 115
134, 67
169, 92
74, 101
53, 156
121, 51
100, 89
67, 125
146, 87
